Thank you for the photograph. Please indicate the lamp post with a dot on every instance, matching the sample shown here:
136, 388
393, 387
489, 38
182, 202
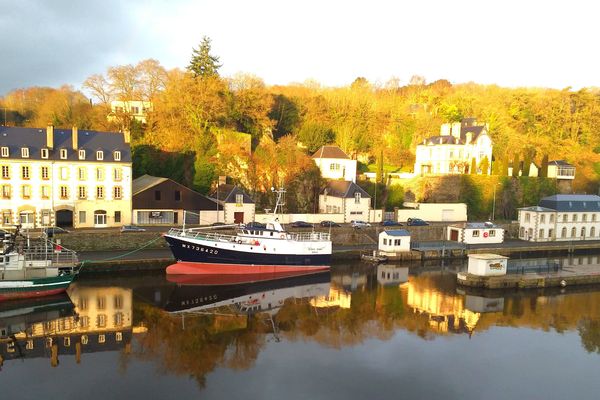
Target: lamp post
494, 203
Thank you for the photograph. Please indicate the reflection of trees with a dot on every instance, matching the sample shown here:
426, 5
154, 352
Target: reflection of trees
589, 330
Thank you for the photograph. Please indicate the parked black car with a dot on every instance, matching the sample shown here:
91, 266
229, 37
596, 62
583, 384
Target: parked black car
389, 222
255, 225
416, 222
329, 224
132, 228
301, 224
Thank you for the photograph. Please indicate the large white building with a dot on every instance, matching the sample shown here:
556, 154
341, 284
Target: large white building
453, 150
335, 164
561, 217
136, 109
66, 177
345, 197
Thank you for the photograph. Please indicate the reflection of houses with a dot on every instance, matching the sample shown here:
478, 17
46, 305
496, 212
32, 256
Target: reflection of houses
337, 297
159, 200
345, 197
239, 208
561, 217
335, 164
391, 275
135, 109
475, 232
65, 177
454, 149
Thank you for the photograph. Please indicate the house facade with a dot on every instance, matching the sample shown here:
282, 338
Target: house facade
475, 233
347, 198
136, 109
561, 217
65, 177
335, 164
453, 150
238, 207
393, 241
162, 201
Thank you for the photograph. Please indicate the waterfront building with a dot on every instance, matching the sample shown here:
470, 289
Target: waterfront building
65, 177
475, 233
335, 164
561, 217
135, 109
393, 241
454, 149
347, 198
162, 201
238, 206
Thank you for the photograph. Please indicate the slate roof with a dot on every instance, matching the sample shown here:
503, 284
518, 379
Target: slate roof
397, 232
537, 209
226, 194
476, 225
344, 189
467, 126
330, 152
145, 182
561, 163
571, 202
91, 141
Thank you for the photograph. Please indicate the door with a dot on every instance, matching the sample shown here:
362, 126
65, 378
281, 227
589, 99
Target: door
175, 218
454, 235
238, 217
64, 218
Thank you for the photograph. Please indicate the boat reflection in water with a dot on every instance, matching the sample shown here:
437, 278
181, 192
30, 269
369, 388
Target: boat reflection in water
87, 320
245, 294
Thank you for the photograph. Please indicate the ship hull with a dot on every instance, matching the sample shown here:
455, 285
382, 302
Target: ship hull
31, 288
203, 258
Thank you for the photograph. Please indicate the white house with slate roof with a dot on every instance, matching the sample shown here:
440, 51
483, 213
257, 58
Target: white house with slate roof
453, 150
393, 241
561, 217
66, 177
335, 164
345, 197
475, 233
239, 208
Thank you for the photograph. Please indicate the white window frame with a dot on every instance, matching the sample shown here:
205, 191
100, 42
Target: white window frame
44, 153
63, 154
5, 151
25, 152
82, 154
99, 155
117, 155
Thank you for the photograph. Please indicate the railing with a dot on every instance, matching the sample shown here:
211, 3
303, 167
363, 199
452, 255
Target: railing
56, 254
218, 237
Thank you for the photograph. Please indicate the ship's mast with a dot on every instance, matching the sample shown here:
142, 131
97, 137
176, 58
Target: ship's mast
280, 201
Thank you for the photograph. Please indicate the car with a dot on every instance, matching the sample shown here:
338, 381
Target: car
50, 231
389, 222
132, 228
301, 224
359, 224
416, 222
255, 225
329, 224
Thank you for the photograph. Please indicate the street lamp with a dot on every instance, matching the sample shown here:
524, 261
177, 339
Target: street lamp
494, 202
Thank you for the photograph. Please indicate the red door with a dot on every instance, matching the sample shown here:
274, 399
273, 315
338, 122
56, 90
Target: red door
454, 235
238, 217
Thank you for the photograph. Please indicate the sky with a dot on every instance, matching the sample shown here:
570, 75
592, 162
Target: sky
509, 43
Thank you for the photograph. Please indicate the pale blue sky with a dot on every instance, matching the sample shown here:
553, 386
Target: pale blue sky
511, 43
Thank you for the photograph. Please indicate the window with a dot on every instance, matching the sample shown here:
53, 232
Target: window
45, 172
593, 232
99, 155
385, 241
81, 173
4, 151
135, 110
551, 234
5, 172
44, 153
574, 217
26, 217
334, 167
99, 192
118, 174
551, 218
565, 218
593, 217
583, 232
82, 217
177, 195
542, 219
117, 155
541, 236
102, 337
99, 174
239, 199
64, 192
357, 198
492, 233
64, 173
6, 192
82, 154
100, 218
117, 192
82, 192
157, 195
573, 232
25, 152
25, 172
117, 216
84, 338
584, 217
476, 233
563, 233
527, 217
26, 191
63, 154
45, 192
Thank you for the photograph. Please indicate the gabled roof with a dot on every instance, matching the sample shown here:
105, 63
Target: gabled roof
91, 141
344, 189
397, 232
467, 126
537, 209
226, 193
330, 152
561, 163
571, 202
145, 182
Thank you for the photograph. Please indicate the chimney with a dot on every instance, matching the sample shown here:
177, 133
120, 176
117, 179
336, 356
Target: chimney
469, 137
75, 136
127, 135
456, 129
445, 129
50, 136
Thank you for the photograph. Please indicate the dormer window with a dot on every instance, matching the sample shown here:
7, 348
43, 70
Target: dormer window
99, 155
63, 154
82, 154
4, 151
44, 153
117, 155
25, 152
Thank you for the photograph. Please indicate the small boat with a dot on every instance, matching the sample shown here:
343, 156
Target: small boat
34, 267
249, 251
374, 258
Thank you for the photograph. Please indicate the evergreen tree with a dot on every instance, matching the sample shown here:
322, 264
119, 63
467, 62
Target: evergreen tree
484, 165
473, 170
203, 64
516, 165
379, 176
544, 168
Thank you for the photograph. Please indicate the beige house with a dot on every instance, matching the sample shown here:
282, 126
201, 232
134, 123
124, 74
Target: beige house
347, 198
238, 207
136, 109
335, 164
453, 150
65, 177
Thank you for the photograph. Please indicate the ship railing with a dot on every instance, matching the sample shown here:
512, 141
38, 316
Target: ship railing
189, 234
310, 236
57, 255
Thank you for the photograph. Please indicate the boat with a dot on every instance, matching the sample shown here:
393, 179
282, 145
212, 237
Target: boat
374, 258
34, 267
248, 251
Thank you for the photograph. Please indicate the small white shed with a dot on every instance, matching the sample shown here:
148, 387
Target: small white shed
487, 264
475, 233
394, 241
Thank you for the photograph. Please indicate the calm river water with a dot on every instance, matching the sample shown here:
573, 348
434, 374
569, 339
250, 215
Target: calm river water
359, 332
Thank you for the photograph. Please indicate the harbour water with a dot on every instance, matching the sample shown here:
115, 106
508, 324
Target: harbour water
354, 333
